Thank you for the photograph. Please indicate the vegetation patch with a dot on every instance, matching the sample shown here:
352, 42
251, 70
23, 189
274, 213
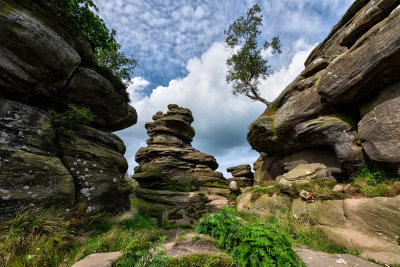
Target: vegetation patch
250, 244
174, 185
200, 260
69, 120
212, 184
373, 181
303, 230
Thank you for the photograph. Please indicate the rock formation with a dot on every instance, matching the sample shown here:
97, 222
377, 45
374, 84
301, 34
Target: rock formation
47, 63
340, 113
242, 175
346, 101
171, 172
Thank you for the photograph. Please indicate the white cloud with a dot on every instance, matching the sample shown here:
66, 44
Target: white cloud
221, 120
163, 35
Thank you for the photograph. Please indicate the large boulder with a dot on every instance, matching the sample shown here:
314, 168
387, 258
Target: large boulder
305, 174
320, 109
367, 225
46, 62
30, 170
96, 162
379, 129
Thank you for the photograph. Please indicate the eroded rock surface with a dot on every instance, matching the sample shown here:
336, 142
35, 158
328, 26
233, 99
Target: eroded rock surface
46, 62
242, 175
171, 172
345, 100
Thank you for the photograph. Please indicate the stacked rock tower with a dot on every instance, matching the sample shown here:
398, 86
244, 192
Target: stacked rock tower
171, 172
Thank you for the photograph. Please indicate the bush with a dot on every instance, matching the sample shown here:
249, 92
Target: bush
252, 244
70, 118
99, 36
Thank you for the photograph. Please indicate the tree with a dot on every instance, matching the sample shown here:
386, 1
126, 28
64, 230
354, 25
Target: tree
246, 66
102, 40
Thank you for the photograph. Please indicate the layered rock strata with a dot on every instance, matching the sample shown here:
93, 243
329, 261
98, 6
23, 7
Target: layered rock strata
242, 175
46, 62
171, 172
368, 225
343, 103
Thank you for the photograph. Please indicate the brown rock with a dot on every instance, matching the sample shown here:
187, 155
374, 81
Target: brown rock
98, 260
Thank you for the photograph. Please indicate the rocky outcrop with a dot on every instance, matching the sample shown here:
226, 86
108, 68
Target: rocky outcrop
242, 175
366, 224
171, 172
46, 62
343, 102
304, 174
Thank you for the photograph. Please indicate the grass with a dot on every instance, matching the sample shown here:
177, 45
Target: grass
200, 260
373, 181
303, 230
38, 237
212, 184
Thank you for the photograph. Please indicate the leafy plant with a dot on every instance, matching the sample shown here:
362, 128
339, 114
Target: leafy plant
247, 66
100, 37
70, 118
251, 244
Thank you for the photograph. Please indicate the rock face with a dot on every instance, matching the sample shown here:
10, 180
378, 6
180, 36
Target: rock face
242, 175
345, 100
170, 170
304, 174
45, 62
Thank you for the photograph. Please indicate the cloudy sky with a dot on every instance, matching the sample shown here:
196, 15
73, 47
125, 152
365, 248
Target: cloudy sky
179, 46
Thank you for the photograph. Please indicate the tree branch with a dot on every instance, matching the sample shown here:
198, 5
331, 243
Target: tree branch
255, 95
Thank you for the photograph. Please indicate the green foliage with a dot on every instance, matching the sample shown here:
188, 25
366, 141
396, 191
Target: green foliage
139, 222
70, 118
121, 65
246, 66
251, 244
175, 185
100, 37
37, 237
33, 237
374, 181
303, 229
212, 184
201, 260
143, 253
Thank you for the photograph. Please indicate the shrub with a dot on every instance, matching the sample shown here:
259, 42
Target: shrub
70, 118
252, 244
99, 36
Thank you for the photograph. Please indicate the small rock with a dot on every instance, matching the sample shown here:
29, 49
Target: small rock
338, 188
305, 194
234, 188
98, 260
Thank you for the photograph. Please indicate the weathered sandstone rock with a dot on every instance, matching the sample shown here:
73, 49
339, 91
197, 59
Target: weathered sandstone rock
46, 62
304, 174
171, 172
30, 170
355, 68
379, 129
169, 162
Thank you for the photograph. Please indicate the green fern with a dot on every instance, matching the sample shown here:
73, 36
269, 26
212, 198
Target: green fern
252, 244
